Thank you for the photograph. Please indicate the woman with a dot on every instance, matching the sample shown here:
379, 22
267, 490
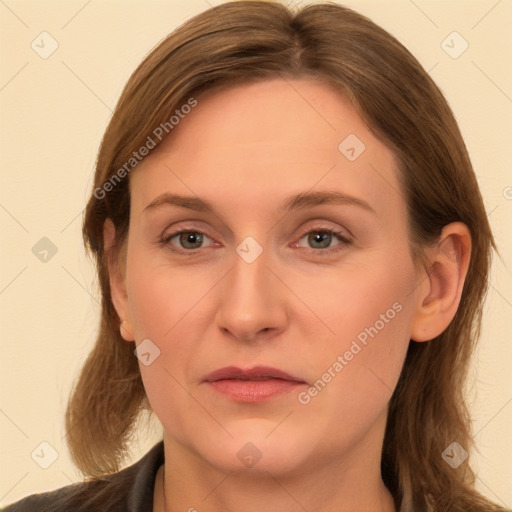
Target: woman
288, 229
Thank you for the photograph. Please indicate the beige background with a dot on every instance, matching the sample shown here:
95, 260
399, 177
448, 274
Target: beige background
54, 112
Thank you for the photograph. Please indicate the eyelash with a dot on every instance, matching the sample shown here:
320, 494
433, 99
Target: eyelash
165, 241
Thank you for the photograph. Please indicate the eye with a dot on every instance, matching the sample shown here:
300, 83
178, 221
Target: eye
188, 240
322, 239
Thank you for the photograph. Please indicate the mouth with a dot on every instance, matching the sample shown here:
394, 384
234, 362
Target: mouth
255, 384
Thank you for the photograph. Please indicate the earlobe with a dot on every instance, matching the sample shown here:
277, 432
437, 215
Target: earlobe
125, 329
117, 280
440, 292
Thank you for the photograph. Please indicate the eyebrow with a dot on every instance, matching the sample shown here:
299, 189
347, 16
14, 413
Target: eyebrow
299, 201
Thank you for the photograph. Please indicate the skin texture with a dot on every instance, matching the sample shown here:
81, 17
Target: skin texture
296, 307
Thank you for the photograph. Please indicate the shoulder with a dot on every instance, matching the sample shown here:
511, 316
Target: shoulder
129, 490
72, 498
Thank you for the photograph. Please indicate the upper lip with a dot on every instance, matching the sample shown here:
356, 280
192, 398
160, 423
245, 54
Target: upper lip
254, 373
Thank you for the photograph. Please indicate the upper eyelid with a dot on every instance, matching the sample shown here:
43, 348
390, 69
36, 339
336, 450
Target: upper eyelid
309, 228
192, 229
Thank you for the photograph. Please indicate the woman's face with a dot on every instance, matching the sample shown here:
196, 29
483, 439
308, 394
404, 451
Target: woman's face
299, 264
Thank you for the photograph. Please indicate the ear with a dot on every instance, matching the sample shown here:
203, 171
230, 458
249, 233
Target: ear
441, 288
117, 279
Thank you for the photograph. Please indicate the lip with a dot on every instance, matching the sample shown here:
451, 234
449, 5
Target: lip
254, 373
255, 384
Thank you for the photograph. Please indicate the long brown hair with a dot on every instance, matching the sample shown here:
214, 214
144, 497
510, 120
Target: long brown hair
238, 42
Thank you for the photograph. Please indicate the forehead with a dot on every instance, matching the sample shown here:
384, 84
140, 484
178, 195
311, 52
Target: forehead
269, 139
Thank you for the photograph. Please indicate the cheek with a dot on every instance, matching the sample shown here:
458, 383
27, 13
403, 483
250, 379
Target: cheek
369, 308
161, 301
161, 296
363, 301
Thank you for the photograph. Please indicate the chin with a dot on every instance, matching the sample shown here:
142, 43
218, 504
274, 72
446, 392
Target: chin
255, 450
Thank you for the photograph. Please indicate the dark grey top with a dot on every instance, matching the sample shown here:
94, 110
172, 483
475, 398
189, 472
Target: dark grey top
129, 490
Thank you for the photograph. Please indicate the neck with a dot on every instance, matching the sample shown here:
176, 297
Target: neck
340, 484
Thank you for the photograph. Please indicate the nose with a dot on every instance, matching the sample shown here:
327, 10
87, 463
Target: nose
252, 302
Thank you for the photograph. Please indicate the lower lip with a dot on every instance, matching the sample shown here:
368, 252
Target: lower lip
254, 390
